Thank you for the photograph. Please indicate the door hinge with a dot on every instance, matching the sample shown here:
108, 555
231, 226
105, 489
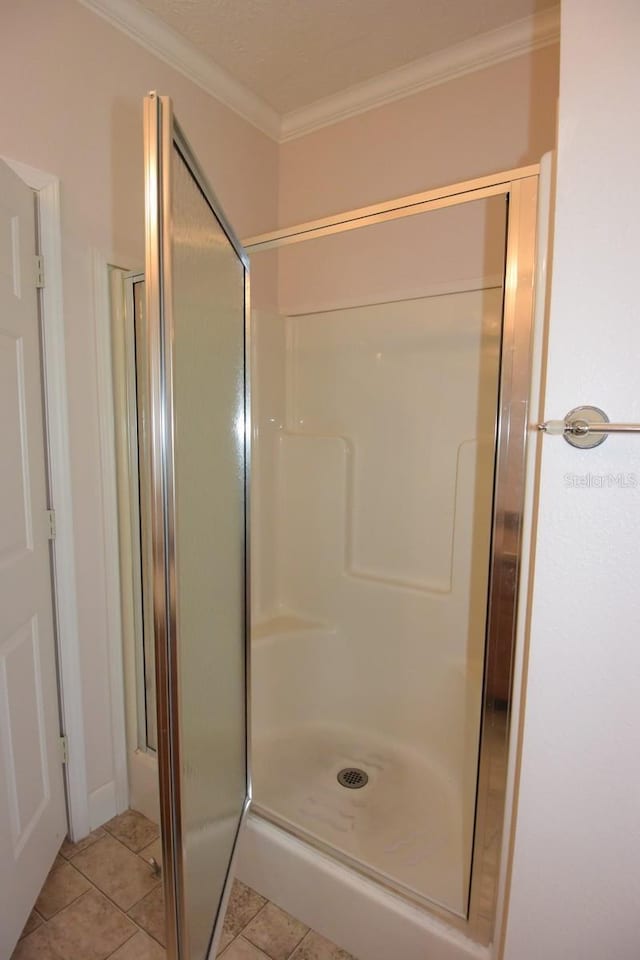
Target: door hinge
64, 751
39, 271
51, 519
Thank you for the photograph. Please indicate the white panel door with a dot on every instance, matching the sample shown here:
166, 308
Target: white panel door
32, 803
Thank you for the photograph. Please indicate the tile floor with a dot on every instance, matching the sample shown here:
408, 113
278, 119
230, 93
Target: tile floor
102, 900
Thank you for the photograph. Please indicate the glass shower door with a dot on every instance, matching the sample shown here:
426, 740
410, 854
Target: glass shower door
391, 352
196, 296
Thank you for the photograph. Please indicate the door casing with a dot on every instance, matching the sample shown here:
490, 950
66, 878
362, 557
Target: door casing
47, 188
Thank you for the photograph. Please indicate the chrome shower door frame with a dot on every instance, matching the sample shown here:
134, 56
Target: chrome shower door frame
136, 493
519, 187
162, 132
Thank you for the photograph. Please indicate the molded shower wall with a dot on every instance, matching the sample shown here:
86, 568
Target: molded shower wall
375, 402
494, 119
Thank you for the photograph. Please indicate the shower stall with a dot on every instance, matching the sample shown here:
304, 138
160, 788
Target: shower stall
389, 358
390, 377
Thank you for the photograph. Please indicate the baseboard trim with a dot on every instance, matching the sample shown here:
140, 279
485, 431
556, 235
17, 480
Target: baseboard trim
102, 804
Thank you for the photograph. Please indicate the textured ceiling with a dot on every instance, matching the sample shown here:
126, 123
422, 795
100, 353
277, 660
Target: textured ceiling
293, 52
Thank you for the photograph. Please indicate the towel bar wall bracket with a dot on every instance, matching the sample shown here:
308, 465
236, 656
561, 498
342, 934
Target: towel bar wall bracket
585, 427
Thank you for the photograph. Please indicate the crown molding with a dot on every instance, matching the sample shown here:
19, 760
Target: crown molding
155, 36
484, 50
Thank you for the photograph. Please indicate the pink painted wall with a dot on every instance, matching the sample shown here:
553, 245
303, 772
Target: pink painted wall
501, 117
72, 106
72, 89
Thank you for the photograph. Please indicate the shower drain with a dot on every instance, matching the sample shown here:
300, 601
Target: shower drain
352, 778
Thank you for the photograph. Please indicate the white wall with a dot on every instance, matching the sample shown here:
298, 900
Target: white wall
575, 889
71, 90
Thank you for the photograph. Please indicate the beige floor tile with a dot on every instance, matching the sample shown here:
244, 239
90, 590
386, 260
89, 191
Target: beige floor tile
118, 872
275, 932
241, 949
63, 885
33, 922
75, 921
315, 947
140, 947
225, 940
133, 829
154, 850
90, 929
69, 849
244, 904
149, 914
35, 947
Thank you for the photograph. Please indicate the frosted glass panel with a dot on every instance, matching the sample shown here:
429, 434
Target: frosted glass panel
208, 410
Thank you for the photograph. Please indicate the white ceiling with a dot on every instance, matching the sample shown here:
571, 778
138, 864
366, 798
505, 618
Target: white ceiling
291, 53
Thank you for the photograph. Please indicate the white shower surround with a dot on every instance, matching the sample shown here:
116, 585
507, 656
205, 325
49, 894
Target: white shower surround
327, 614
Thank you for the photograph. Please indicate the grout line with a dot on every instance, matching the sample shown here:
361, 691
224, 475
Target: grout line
122, 844
110, 898
136, 853
144, 897
144, 858
137, 928
299, 943
248, 924
140, 929
222, 955
304, 935
69, 858
134, 934
124, 913
71, 902
46, 923
255, 916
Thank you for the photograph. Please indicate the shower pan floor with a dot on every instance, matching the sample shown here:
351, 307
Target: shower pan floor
404, 824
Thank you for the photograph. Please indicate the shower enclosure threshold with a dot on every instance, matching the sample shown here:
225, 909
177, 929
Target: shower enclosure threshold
355, 910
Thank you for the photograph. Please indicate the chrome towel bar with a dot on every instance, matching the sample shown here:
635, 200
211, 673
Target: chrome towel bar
586, 427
